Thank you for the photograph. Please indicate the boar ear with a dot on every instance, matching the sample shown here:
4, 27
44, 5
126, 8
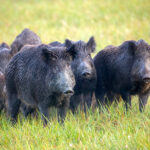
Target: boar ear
71, 51
130, 46
4, 45
68, 43
91, 44
14, 49
48, 54
141, 42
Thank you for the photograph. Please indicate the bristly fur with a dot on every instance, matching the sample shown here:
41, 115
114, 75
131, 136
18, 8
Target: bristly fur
84, 86
120, 71
34, 77
26, 37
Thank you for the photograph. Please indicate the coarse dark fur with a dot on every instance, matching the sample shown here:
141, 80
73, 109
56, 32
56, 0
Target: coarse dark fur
4, 45
123, 70
26, 37
4, 56
84, 71
2, 92
41, 77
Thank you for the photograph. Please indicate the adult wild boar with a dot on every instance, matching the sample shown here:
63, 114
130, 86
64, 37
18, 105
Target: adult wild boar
26, 37
84, 71
125, 71
41, 77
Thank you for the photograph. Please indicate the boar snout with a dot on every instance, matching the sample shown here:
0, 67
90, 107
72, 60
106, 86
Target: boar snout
69, 92
146, 78
86, 74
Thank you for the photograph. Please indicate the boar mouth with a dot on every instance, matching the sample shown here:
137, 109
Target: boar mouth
69, 92
146, 80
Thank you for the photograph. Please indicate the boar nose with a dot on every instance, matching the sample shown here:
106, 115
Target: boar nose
69, 92
146, 78
86, 74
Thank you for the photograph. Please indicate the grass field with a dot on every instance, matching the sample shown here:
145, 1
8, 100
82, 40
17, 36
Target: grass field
110, 22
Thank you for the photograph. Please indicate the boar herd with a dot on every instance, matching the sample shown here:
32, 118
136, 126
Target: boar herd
35, 76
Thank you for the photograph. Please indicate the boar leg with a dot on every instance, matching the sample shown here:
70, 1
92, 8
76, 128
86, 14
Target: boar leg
44, 110
94, 102
62, 110
87, 98
118, 99
75, 100
142, 102
109, 99
29, 111
13, 106
127, 99
100, 98
26, 110
1, 105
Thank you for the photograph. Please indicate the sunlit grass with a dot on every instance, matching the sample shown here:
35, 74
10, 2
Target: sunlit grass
113, 129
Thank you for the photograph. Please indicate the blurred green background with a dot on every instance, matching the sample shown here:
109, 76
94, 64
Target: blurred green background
109, 21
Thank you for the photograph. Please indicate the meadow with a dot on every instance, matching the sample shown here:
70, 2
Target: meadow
110, 22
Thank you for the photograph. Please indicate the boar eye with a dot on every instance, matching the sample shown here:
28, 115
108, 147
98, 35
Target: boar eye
54, 58
89, 55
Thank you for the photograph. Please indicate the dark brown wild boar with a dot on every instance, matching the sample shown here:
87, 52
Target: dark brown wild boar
124, 70
40, 77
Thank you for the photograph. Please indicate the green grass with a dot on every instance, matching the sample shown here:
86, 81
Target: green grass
110, 22
107, 130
